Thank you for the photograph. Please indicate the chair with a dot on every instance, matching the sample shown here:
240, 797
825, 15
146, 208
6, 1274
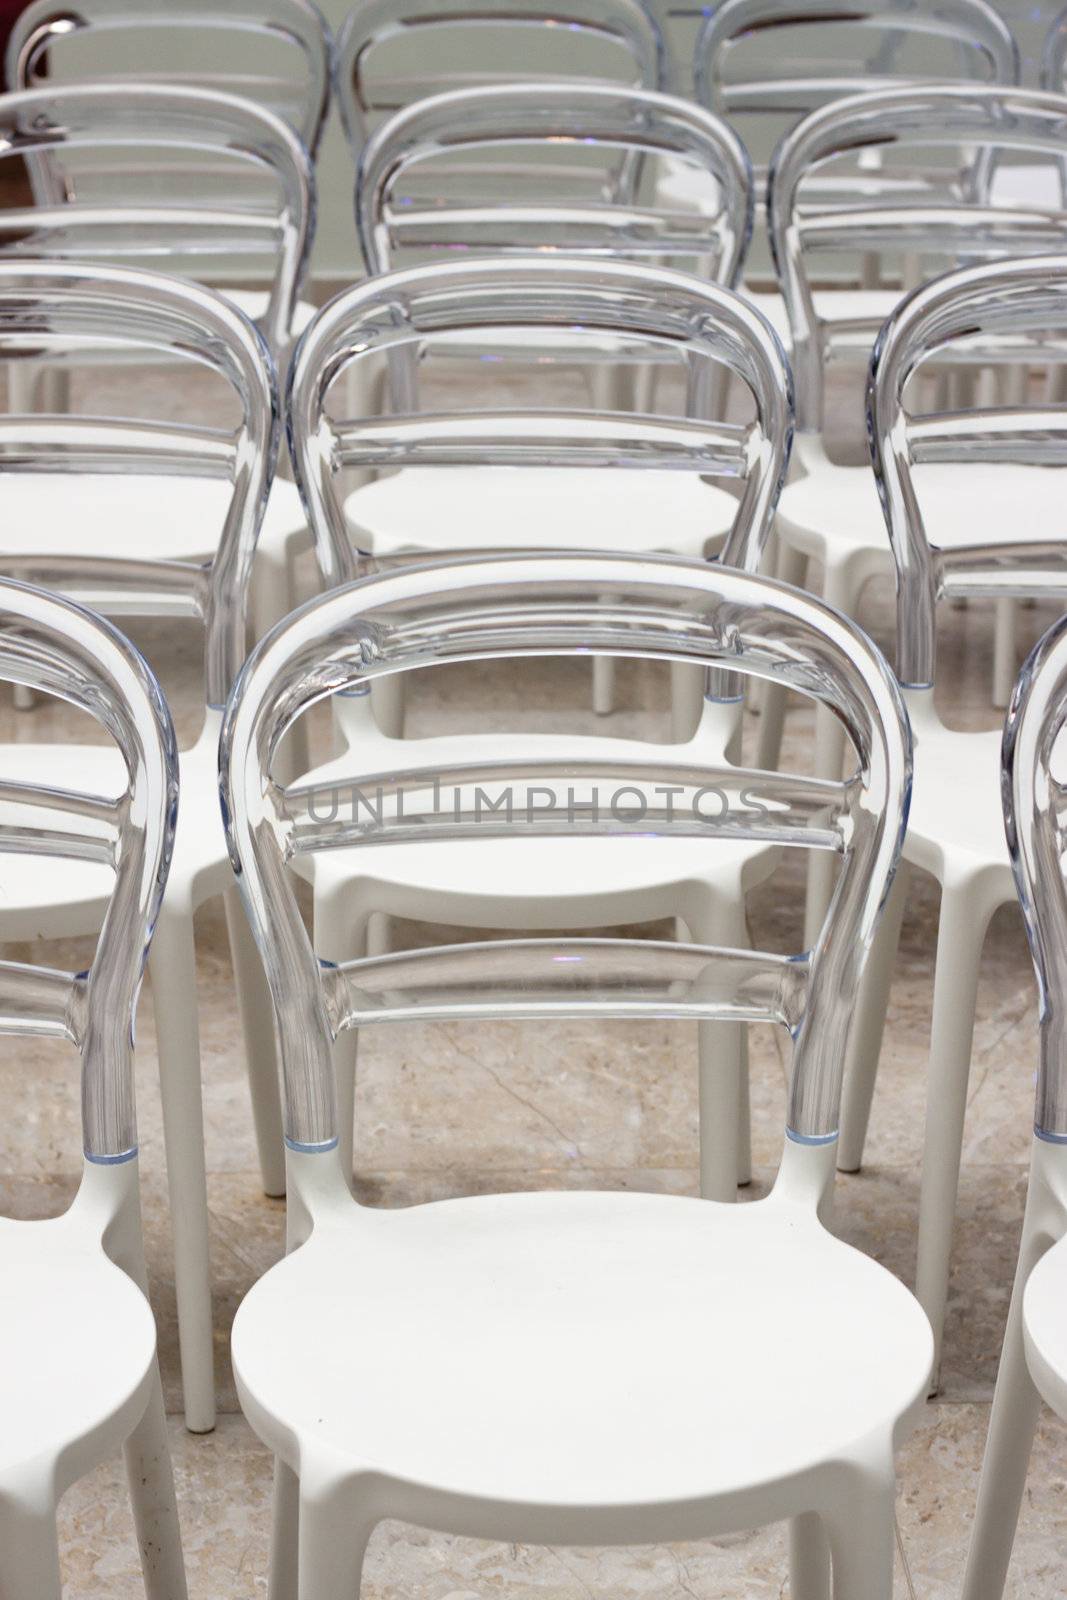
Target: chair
277, 56
391, 53
1033, 1362
602, 1368
831, 513
1017, 309
78, 1371
61, 480
608, 882
764, 66
270, 227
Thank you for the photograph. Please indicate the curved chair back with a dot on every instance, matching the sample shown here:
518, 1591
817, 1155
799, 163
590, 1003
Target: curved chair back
58, 312
393, 52
1054, 55
584, 202
103, 161
273, 52
1035, 801
976, 127
565, 606
48, 644
764, 65
1016, 311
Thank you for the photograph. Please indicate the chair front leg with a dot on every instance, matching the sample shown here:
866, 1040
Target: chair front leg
29, 1543
155, 1506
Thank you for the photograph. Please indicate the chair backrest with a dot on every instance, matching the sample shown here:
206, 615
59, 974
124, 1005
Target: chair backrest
56, 312
48, 644
1034, 805
102, 163
601, 305
980, 125
1016, 312
764, 65
566, 606
432, 46
274, 52
1054, 55
595, 134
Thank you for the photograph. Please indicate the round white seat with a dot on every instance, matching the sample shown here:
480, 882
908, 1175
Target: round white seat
1045, 1326
950, 765
78, 1342
254, 303
586, 1357
548, 508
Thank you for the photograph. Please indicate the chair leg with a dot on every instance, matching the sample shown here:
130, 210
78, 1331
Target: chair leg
284, 1534
863, 1540
388, 697
173, 968
791, 568
332, 1543
722, 1065
256, 1009
155, 1506
688, 684
1012, 1424
271, 596
1004, 656
29, 1547
809, 1558
603, 685
865, 1042
960, 936
341, 935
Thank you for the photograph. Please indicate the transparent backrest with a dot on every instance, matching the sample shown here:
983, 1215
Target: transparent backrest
974, 128
50, 645
59, 313
1054, 55
597, 195
1014, 312
765, 65
524, 606
273, 52
111, 181
600, 308
393, 52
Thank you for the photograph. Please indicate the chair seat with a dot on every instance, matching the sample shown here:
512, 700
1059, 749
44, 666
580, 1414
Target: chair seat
168, 519
254, 303
519, 508
620, 1359
956, 807
1045, 1326
835, 512
51, 897
503, 882
77, 1344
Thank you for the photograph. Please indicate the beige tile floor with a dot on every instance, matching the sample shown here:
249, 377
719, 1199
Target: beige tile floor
457, 1109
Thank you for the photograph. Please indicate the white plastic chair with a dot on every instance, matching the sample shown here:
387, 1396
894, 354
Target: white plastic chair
1033, 1362
275, 53
269, 228
830, 513
955, 832
60, 477
763, 66
391, 53
607, 882
573, 1368
78, 1372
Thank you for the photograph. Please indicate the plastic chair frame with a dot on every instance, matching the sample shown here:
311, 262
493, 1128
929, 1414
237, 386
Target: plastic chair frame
43, 25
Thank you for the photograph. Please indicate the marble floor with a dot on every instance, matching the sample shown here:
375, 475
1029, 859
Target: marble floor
456, 1109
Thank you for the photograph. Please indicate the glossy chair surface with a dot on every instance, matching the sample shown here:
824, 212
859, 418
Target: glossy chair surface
276, 54
391, 53
197, 182
541, 1303
145, 515
78, 1372
1033, 1360
1014, 312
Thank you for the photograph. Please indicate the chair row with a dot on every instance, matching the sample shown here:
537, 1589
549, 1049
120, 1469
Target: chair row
477, 1365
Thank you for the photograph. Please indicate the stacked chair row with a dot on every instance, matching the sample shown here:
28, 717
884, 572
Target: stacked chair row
631, 525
